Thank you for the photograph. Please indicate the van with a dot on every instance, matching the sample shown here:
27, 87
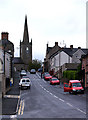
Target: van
74, 86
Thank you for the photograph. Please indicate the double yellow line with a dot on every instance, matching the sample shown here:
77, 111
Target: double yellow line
21, 108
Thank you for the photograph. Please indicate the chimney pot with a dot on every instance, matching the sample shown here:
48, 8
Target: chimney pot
79, 47
71, 46
56, 43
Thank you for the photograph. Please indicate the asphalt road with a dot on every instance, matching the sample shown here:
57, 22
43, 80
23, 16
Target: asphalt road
43, 100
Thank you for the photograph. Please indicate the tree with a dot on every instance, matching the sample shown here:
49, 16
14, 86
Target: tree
35, 64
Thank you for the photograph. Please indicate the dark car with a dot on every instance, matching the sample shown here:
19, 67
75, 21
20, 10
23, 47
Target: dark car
54, 81
40, 70
33, 71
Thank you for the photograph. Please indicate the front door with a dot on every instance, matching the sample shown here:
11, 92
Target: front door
66, 87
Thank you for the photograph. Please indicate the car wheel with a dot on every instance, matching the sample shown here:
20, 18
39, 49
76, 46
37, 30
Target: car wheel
21, 87
70, 92
28, 87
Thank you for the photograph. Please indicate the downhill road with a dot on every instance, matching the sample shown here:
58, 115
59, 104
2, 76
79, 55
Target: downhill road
43, 100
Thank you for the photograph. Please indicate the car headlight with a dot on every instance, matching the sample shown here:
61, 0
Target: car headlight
74, 90
82, 89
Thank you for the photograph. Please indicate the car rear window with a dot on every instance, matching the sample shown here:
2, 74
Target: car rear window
23, 80
27, 80
54, 79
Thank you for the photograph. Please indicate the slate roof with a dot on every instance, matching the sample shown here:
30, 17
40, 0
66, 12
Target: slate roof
18, 60
2, 42
69, 51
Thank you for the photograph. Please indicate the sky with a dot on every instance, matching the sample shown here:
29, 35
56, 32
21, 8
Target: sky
49, 21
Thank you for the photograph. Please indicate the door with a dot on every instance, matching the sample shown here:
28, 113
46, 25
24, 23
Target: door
66, 87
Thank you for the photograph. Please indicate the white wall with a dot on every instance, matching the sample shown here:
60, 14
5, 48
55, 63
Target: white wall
7, 65
1, 61
57, 61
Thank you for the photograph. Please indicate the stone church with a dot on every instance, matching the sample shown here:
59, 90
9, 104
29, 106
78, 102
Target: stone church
25, 50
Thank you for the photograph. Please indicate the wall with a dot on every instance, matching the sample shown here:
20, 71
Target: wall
77, 56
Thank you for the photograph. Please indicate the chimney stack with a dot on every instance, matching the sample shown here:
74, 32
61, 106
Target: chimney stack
56, 43
79, 47
71, 46
4, 35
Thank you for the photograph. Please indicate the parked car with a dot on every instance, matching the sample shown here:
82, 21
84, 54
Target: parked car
54, 81
25, 77
23, 73
45, 74
40, 70
24, 83
33, 71
47, 77
74, 86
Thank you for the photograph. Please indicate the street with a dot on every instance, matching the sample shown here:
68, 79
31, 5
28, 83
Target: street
43, 100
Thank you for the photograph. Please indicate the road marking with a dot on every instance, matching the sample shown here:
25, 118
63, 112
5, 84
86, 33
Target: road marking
44, 81
13, 116
11, 96
22, 107
69, 104
55, 96
19, 111
61, 99
81, 111
51, 93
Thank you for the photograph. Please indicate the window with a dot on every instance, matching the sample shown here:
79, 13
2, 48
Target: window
27, 49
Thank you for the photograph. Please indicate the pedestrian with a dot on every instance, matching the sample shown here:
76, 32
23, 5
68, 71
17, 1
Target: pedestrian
41, 74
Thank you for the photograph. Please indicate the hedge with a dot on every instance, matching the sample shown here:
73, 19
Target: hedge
70, 74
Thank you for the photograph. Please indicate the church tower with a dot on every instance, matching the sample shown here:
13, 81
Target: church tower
26, 46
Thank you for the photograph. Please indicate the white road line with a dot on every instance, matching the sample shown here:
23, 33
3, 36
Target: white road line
61, 99
44, 81
13, 116
47, 91
55, 96
81, 111
69, 104
50, 93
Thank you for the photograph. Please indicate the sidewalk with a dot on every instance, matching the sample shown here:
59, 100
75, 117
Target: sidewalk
10, 100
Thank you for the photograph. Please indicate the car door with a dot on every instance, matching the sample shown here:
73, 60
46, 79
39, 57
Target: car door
66, 87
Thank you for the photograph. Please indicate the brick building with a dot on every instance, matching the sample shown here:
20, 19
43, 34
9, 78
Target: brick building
85, 70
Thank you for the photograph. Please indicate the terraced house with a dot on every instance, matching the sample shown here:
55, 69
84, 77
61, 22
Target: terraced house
62, 59
6, 56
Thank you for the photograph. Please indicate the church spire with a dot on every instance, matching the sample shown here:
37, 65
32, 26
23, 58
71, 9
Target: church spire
25, 34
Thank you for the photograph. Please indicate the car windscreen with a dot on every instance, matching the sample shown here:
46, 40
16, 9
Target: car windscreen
47, 75
76, 84
54, 79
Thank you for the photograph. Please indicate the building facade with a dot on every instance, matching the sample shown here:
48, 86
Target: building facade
85, 70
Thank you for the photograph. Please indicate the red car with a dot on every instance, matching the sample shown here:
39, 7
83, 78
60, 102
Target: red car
54, 81
47, 77
74, 86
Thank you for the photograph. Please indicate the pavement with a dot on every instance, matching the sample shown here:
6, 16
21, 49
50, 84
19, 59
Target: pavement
11, 99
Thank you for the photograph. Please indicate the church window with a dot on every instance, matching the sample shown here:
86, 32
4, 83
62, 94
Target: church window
27, 49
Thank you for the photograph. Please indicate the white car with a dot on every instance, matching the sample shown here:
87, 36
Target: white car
25, 83
23, 73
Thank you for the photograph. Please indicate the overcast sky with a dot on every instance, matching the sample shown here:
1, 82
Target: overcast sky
49, 21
